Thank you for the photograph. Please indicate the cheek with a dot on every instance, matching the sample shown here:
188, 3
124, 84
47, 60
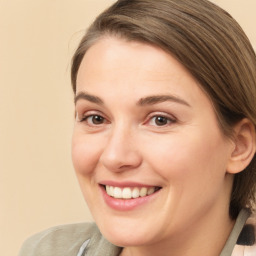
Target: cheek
85, 155
85, 159
193, 168
189, 156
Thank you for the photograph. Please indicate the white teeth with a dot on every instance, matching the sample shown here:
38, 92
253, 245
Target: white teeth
108, 190
143, 192
135, 193
150, 191
129, 193
111, 191
117, 192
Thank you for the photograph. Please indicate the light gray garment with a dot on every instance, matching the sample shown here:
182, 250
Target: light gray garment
69, 240
233, 238
85, 239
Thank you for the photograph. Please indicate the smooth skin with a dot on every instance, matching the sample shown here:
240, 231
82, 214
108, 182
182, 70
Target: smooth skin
141, 117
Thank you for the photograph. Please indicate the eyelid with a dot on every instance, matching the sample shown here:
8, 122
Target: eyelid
163, 114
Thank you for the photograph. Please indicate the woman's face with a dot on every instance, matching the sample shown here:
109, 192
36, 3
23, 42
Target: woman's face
149, 155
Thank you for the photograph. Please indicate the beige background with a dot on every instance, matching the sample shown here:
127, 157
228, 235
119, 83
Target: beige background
38, 188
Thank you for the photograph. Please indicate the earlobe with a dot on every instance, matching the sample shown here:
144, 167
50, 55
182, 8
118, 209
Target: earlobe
245, 146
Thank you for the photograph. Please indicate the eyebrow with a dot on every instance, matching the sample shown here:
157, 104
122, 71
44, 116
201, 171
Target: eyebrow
149, 100
88, 97
155, 99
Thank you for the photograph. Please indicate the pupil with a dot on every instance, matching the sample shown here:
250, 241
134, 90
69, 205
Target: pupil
97, 119
160, 120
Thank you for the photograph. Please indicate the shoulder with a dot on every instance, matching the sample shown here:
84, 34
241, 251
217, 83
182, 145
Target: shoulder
59, 240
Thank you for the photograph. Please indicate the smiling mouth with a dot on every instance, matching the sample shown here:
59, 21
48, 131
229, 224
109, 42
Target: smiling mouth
130, 192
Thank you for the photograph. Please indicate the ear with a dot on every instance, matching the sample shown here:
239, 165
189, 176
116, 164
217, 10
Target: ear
244, 146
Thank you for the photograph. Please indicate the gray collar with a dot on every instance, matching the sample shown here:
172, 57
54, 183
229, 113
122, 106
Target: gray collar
232, 240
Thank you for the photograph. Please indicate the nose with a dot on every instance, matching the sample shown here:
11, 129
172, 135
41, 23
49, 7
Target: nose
121, 151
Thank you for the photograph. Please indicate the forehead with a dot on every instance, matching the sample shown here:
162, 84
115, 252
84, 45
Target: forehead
132, 55
115, 64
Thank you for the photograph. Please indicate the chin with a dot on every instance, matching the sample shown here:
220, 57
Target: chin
126, 233
124, 239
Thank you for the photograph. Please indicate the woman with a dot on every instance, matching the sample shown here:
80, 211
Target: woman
164, 138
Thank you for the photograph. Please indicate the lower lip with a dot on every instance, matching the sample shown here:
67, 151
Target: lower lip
126, 204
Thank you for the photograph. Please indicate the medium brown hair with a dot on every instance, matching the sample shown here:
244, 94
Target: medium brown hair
209, 43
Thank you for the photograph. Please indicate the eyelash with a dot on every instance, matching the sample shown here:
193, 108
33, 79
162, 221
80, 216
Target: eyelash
167, 119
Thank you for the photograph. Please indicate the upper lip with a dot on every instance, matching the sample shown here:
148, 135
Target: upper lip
125, 184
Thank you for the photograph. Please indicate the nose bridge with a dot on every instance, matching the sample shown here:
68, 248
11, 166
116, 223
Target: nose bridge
121, 151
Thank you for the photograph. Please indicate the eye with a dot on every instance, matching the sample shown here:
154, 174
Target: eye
96, 119
93, 119
159, 120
